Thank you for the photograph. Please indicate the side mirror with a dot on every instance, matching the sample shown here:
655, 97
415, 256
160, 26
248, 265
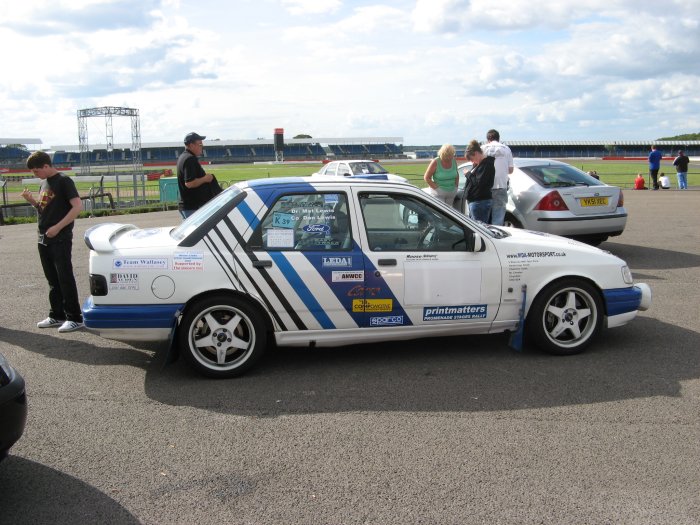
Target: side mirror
346, 174
475, 242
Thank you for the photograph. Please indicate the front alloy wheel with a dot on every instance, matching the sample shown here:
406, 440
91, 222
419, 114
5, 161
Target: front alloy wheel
565, 317
222, 336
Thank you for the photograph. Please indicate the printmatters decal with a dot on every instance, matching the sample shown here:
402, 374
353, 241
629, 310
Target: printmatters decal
454, 313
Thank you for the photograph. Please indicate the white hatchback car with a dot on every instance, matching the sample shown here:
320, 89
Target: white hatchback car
364, 169
307, 261
555, 197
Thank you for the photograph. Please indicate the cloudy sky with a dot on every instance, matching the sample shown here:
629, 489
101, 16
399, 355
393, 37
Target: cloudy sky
430, 71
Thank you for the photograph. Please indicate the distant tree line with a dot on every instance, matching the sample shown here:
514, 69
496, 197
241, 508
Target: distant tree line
687, 136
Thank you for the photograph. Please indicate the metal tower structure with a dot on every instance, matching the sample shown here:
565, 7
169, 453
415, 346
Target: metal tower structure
108, 112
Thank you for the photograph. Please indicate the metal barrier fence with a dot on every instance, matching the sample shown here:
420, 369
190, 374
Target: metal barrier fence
104, 196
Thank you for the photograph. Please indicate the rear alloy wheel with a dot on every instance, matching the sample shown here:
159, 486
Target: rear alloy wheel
222, 336
565, 317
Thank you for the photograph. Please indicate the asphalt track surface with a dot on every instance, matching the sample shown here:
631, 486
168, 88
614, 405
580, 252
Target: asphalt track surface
444, 431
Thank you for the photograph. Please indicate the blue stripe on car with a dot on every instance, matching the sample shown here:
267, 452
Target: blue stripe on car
130, 316
248, 215
301, 289
622, 300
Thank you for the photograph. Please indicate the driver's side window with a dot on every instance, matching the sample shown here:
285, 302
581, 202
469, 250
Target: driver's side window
401, 223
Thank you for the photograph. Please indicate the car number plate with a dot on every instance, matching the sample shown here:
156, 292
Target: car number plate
594, 201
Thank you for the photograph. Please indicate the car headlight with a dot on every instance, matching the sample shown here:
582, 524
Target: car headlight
627, 275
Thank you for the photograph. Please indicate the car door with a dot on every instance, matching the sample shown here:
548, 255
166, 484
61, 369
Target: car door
309, 269
420, 268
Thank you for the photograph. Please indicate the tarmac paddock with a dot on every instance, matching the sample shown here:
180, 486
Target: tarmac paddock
451, 430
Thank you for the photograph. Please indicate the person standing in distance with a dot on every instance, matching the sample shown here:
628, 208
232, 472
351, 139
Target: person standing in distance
58, 206
681, 163
479, 182
196, 186
441, 175
504, 167
655, 157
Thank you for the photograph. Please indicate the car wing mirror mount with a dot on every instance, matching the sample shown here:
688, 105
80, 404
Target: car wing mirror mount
475, 242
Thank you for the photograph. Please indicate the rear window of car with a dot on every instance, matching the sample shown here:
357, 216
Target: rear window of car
557, 176
207, 215
365, 168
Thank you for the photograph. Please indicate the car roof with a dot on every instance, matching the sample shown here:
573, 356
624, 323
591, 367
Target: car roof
354, 160
292, 181
520, 162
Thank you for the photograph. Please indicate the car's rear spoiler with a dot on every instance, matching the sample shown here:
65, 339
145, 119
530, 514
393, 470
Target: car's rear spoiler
99, 238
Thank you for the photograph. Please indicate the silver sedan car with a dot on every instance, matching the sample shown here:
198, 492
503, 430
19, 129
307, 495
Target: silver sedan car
554, 197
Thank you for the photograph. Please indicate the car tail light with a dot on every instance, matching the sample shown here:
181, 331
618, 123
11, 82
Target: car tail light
552, 202
620, 200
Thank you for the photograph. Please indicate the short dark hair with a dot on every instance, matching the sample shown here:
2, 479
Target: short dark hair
38, 160
492, 134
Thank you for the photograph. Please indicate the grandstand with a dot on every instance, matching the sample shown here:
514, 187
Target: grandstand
575, 149
14, 152
242, 151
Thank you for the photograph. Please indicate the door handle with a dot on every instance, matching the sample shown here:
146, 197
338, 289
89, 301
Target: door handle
386, 262
262, 264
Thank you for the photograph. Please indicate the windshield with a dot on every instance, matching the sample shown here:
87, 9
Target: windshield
364, 168
558, 176
204, 213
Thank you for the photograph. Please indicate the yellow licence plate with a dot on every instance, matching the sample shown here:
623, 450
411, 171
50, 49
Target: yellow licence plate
594, 201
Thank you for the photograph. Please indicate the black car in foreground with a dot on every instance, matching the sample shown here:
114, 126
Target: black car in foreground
13, 406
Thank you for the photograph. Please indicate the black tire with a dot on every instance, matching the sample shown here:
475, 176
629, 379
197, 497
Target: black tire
511, 221
595, 240
222, 336
565, 317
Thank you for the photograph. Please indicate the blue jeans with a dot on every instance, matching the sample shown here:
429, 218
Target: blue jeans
499, 199
186, 213
480, 210
682, 180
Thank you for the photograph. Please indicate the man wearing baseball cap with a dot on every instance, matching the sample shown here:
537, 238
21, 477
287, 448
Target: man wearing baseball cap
196, 186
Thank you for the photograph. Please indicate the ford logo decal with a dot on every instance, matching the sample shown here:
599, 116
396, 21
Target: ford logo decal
317, 228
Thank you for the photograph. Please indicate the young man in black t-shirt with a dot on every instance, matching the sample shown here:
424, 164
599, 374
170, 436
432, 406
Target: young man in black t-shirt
58, 206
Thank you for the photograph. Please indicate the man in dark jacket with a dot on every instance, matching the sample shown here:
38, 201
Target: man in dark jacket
196, 186
655, 157
681, 163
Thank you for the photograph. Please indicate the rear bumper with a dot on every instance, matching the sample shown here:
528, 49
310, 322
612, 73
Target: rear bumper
142, 322
613, 224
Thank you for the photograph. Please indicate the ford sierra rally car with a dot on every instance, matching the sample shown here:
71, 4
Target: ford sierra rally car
327, 262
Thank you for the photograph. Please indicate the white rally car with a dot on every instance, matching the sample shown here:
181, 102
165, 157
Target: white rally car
306, 261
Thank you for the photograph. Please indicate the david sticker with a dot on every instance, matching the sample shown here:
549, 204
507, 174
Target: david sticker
123, 281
